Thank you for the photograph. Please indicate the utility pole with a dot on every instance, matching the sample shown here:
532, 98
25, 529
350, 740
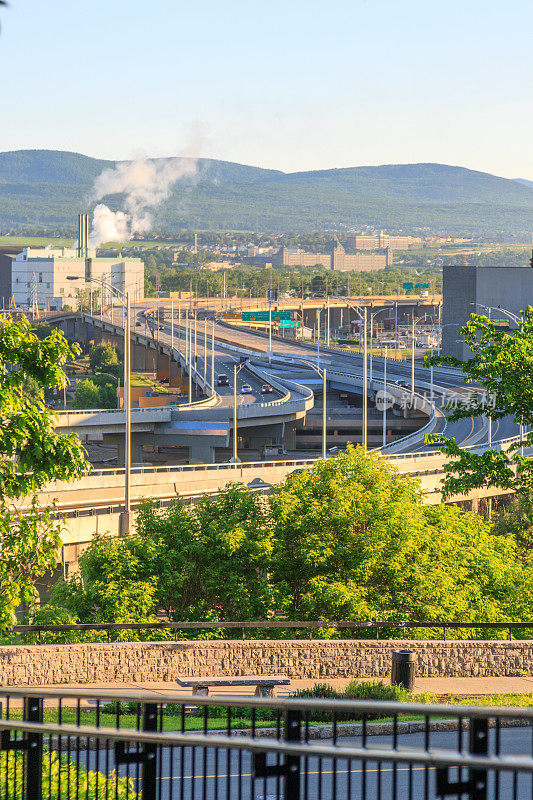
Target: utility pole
213, 359
384, 441
413, 360
205, 351
324, 414
171, 341
365, 380
179, 327
269, 330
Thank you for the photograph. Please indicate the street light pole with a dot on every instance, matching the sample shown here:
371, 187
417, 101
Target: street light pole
127, 397
413, 360
384, 441
190, 359
179, 327
371, 344
235, 414
365, 381
431, 378
324, 413
213, 359
269, 330
205, 351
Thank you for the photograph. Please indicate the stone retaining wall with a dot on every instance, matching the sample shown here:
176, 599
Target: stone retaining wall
35, 665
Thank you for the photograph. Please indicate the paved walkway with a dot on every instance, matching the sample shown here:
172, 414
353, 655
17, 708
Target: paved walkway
437, 686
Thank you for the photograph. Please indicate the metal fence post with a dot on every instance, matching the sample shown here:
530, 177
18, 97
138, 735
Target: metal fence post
475, 786
149, 772
33, 712
292, 733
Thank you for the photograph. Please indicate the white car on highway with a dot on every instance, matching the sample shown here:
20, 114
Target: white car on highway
246, 389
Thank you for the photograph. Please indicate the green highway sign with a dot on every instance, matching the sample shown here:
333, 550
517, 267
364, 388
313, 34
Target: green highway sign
263, 316
407, 287
421, 285
288, 323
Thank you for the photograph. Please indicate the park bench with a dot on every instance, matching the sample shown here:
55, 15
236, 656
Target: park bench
264, 684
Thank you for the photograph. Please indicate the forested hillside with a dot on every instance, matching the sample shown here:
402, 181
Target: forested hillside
47, 188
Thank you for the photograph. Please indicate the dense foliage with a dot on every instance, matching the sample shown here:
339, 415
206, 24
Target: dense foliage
347, 539
501, 364
62, 779
31, 455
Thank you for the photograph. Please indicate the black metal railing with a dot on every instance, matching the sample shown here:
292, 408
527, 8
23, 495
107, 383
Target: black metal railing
383, 629
57, 744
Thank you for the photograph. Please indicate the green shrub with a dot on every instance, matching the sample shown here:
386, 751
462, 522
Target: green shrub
63, 779
364, 690
375, 690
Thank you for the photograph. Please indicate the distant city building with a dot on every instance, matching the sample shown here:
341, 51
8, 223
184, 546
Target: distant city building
336, 259
380, 241
466, 289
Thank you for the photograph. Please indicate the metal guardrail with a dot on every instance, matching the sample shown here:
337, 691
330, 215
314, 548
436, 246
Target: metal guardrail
159, 746
378, 628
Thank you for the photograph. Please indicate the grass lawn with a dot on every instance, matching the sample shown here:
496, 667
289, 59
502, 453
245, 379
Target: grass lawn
241, 718
35, 241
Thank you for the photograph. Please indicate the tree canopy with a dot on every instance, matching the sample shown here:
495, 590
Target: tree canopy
31, 455
501, 364
348, 539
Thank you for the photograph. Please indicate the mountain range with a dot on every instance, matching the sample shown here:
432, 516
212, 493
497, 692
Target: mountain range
45, 189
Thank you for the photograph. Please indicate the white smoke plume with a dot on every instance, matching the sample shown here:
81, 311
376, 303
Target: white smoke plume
146, 183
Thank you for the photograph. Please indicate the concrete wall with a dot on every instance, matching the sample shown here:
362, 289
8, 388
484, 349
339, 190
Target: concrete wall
508, 287
319, 660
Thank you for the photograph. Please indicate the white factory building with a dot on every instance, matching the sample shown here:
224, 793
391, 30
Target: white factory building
52, 278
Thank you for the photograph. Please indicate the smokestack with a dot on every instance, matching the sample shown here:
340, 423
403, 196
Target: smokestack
83, 235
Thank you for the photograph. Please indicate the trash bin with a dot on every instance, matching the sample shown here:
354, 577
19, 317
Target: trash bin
403, 669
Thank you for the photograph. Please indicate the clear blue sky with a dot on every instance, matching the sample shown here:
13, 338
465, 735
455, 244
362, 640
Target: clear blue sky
290, 84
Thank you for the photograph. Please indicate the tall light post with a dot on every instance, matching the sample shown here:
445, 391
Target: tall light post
205, 351
517, 320
124, 300
213, 359
363, 314
322, 373
236, 369
372, 317
384, 431
365, 381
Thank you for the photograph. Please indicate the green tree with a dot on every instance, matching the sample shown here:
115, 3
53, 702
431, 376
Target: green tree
353, 540
109, 587
211, 559
103, 356
31, 455
236, 549
87, 395
502, 366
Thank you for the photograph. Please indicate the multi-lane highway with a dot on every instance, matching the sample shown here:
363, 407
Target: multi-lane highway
447, 384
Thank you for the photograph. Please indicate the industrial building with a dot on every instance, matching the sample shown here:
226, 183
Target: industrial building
336, 259
467, 289
44, 278
380, 241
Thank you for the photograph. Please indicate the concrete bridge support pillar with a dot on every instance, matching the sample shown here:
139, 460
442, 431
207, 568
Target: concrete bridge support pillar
175, 374
139, 357
162, 362
151, 360
289, 436
200, 453
98, 335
